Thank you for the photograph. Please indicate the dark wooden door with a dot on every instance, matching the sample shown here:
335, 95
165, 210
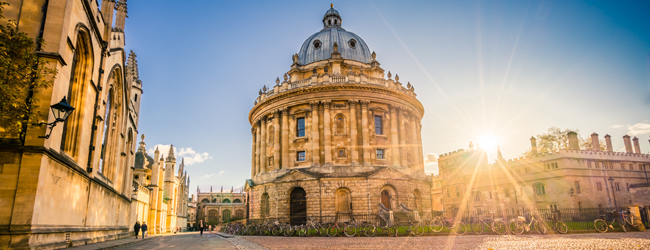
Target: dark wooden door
298, 209
385, 199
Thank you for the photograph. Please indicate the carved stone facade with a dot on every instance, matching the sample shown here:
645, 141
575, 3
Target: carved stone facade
219, 207
335, 134
75, 187
162, 191
569, 178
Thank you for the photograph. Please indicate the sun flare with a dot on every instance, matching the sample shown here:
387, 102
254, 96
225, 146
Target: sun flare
489, 143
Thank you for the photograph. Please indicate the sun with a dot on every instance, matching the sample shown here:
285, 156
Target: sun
489, 143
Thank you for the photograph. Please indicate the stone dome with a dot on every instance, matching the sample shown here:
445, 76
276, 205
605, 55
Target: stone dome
320, 45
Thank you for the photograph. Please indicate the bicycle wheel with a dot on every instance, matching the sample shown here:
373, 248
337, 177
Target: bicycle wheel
369, 230
266, 230
332, 231
601, 225
395, 231
500, 227
540, 227
561, 227
418, 230
322, 230
276, 230
477, 228
350, 230
515, 227
436, 225
459, 228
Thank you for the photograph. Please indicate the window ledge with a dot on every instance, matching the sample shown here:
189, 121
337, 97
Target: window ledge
381, 136
304, 138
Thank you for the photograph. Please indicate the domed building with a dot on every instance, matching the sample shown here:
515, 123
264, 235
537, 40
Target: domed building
336, 136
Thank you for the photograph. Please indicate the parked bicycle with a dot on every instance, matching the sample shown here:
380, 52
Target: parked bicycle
438, 223
557, 224
607, 220
496, 225
520, 224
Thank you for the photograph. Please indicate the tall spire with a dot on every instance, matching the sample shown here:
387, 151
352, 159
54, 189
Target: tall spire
170, 155
132, 66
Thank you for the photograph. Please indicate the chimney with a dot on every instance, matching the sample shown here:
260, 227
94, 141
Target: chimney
608, 142
121, 15
533, 145
628, 144
637, 147
595, 143
573, 141
108, 8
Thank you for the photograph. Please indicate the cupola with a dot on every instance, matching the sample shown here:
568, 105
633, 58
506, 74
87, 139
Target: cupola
331, 18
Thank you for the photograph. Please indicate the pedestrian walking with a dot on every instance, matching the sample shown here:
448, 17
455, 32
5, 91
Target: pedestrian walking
201, 227
136, 228
144, 229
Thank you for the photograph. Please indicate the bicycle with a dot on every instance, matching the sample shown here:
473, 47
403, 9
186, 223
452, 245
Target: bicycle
557, 224
496, 225
410, 227
316, 225
607, 220
630, 218
456, 227
520, 224
335, 229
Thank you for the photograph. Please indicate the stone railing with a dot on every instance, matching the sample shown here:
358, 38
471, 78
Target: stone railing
337, 79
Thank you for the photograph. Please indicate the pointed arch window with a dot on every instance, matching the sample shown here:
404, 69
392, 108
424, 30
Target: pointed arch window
107, 121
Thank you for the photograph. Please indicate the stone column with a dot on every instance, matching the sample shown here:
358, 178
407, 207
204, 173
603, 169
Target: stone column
394, 140
253, 161
353, 131
258, 155
364, 132
327, 132
285, 138
276, 140
414, 141
402, 138
263, 145
314, 134
420, 145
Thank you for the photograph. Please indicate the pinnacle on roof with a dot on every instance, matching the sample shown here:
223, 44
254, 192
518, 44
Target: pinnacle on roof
170, 155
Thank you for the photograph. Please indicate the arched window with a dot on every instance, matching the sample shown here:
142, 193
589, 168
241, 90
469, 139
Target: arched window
236, 201
342, 200
107, 121
226, 201
266, 209
214, 200
80, 75
205, 201
226, 215
339, 124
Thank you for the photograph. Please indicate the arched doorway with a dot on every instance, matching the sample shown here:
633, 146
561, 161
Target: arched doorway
298, 206
385, 199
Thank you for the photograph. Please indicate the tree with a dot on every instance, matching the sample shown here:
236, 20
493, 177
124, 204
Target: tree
22, 73
556, 139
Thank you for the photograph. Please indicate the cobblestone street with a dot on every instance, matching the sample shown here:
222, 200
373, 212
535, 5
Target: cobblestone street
635, 240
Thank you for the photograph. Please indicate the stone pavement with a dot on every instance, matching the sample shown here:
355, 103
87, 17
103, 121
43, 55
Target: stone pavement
632, 240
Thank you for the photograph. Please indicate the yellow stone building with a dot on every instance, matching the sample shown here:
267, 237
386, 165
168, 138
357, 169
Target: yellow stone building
336, 136
74, 187
162, 192
570, 178
219, 207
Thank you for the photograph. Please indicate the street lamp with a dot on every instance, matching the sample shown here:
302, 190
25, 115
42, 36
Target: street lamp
611, 183
61, 112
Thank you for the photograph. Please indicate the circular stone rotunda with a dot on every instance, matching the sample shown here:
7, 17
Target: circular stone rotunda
335, 137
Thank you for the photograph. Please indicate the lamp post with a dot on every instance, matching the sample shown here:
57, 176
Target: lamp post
611, 183
61, 112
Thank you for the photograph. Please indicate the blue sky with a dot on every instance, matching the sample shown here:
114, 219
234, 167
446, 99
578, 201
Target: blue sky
502, 69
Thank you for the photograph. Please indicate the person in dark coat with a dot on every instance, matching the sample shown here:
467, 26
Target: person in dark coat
144, 229
201, 226
136, 228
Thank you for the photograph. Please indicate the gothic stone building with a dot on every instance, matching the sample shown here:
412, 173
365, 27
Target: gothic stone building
74, 187
219, 207
162, 192
570, 178
335, 137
